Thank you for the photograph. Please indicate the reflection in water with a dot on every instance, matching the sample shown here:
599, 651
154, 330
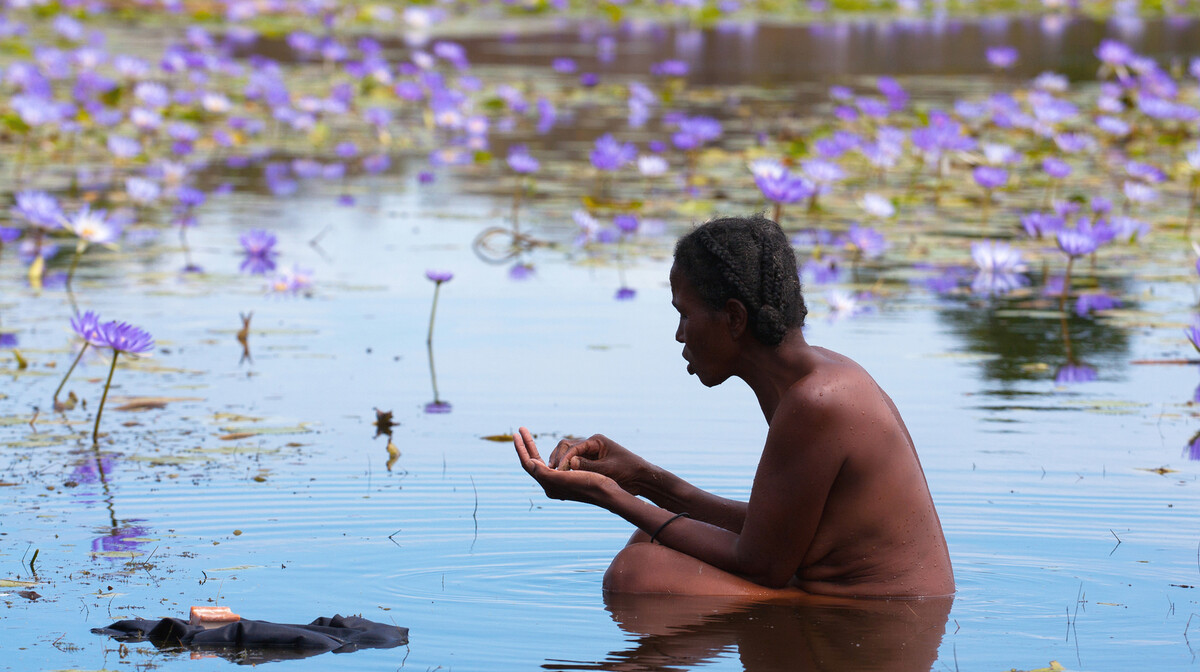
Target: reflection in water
243, 337
1018, 333
1193, 448
118, 535
748, 53
842, 635
437, 405
1073, 371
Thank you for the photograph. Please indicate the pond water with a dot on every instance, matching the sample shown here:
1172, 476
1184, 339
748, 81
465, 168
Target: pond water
255, 477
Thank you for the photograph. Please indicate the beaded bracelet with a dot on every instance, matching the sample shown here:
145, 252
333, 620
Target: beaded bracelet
664, 525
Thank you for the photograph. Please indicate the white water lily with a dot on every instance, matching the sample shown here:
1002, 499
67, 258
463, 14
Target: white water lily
93, 226
877, 206
651, 165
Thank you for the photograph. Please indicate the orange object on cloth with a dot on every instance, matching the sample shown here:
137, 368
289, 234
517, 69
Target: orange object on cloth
212, 616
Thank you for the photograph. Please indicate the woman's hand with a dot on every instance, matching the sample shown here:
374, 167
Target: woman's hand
600, 454
577, 486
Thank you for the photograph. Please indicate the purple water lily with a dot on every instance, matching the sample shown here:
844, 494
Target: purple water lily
122, 338
694, 132
1091, 302
670, 68
39, 209
1075, 243
990, 177
1193, 332
864, 241
1042, 224
608, 154
778, 184
520, 161
1192, 450
1002, 57
1056, 168
259, 255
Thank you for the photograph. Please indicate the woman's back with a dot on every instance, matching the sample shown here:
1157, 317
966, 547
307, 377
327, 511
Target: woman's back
878, 532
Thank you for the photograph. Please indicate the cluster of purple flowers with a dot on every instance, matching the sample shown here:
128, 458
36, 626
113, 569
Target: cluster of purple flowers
119, 336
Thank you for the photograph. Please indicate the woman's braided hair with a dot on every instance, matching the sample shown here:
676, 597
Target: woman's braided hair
751, 260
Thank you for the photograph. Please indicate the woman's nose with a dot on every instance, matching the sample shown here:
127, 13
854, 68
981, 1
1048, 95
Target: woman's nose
679, 333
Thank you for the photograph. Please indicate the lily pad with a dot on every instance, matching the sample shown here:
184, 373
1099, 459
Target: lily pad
235, 433
148, 403
498, 438
15, 583
128, 555
235, 568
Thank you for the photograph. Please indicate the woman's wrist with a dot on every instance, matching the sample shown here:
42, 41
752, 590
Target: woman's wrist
651, 483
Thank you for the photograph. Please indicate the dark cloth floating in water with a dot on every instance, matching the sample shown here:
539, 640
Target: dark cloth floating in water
252, 641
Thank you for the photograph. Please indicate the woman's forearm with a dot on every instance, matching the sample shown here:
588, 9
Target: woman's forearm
675, 494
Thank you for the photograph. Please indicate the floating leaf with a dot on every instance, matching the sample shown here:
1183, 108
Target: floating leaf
14, 583
128, 555
235, 568
148, 403
1161, 471
498, 438
1054, 667
234, 433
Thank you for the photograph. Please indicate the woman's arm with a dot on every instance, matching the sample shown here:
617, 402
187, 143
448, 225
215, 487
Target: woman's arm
638, 477
675, 494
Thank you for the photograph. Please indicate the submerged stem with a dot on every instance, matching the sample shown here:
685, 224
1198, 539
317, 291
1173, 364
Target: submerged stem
64, 380
100, 410
1062, 298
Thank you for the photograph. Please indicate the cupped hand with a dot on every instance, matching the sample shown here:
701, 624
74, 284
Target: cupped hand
600, 454
577, 486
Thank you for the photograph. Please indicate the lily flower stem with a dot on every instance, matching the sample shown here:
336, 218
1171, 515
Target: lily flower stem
75, 262
1192, 195
778, 213
432, 372
516, 222
433, 313
187, 252
70, 370
103, 397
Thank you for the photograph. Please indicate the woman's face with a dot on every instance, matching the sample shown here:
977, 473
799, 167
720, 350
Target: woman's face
708, 345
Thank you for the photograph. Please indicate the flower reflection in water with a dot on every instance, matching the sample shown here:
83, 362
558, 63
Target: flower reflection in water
128, 537
1071, 373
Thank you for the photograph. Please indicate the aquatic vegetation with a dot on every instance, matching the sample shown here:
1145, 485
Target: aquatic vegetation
87, 327
259, 253
437, 277
779, 185
121, 338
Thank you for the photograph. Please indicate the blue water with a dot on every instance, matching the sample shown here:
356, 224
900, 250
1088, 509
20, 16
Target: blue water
1068, 545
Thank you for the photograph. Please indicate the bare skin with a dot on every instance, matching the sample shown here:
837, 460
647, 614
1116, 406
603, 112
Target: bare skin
839, 505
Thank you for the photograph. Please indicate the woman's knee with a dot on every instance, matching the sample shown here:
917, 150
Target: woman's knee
635, 568
638, 537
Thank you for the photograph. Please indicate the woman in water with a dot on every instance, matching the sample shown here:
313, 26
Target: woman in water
839, 505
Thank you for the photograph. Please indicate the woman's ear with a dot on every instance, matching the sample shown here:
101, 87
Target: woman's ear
738, 318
